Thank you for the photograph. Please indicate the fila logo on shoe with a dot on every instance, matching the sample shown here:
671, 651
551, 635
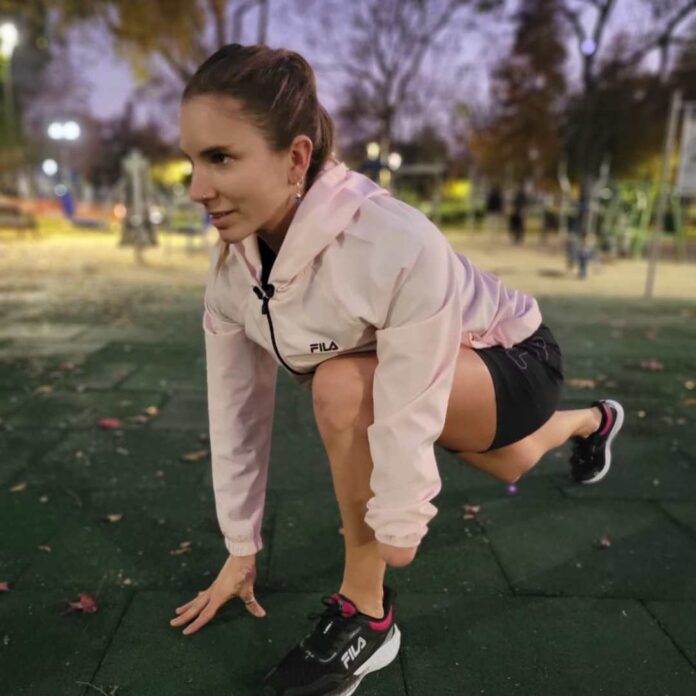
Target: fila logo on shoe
353, 651
323, 347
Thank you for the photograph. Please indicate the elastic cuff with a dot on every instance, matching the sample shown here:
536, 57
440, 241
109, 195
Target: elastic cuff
402, 542
247, 548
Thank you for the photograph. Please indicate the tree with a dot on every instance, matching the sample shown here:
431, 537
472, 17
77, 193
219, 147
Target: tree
520, 139
380, 55
114, 138
587, 123
179, 33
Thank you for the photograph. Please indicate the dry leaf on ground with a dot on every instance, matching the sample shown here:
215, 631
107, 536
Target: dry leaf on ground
4, 587
653, 365
581, 383
19, 487
184, 547
86, 604
470, 511
117, 517
110, 423
195, 456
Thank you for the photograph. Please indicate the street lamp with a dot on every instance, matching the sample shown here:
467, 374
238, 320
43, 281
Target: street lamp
68, 130
9, 37
60, 131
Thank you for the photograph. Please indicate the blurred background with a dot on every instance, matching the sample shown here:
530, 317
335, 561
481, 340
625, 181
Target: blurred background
569, 121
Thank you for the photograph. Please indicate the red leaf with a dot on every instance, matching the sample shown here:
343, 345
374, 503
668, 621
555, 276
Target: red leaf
110, 423
85, 604
4, 587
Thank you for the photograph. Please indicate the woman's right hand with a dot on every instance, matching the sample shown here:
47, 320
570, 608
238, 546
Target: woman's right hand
236, 579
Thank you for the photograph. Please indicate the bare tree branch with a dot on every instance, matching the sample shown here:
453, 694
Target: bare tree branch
217, 9
664, 36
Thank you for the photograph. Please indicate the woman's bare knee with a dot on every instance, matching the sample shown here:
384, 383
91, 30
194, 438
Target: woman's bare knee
342, 391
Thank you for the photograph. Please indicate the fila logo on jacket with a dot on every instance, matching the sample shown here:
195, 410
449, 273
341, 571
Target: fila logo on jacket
322, 347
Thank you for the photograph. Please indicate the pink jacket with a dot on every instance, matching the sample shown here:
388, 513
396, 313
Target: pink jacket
358, 270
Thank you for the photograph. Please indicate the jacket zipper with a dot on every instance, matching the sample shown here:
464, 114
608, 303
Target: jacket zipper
265, 294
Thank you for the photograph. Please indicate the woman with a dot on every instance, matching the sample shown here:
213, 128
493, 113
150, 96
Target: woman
403, 343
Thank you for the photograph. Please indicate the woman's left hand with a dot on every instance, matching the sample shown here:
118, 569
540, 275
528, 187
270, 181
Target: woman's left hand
396, 556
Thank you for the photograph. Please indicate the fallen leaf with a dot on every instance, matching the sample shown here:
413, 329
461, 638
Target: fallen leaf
44, 389
122, 451
195, 456
4, 586
110, 423
604, 543
653, 365
152, 411
581, 383
642, 414
86, 604
138, 419
470, 511
116, 517
690, 384
19, 487
45, 548
689, 402
184, 547
43, 499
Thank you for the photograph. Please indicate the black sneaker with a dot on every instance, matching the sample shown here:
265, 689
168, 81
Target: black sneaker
344, 646
591, 459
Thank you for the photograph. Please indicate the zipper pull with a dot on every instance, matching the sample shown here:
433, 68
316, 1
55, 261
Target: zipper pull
264, 296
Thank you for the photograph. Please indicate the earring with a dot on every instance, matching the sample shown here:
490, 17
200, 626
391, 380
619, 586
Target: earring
298, 195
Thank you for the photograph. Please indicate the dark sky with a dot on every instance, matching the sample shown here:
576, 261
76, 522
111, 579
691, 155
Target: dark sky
111, 81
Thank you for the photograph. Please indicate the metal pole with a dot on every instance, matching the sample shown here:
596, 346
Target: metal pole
674, 110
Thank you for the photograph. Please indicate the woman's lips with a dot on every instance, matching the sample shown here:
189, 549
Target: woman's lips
218, 218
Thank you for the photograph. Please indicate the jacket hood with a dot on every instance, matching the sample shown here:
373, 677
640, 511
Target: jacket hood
326, 210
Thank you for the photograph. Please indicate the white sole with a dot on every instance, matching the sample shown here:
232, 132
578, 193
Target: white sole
383, 657
614, 432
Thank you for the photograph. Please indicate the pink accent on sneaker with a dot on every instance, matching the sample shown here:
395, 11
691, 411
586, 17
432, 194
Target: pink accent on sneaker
349, 609
609, 420
384, 624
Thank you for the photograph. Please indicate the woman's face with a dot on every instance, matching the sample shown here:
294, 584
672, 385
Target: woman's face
244, 185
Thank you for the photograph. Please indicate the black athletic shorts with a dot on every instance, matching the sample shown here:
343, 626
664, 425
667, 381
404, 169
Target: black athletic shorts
528, 379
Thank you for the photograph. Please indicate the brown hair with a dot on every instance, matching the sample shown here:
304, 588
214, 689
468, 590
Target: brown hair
278, 91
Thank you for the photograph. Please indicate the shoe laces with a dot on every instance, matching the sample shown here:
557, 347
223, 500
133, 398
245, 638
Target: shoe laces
332, 618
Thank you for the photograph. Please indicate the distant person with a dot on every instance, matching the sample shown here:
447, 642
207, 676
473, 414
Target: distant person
403, 343
516, 222
494, 211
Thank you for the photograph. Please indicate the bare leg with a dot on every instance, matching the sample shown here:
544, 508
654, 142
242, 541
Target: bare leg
509, 463
342, 396
471, 424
